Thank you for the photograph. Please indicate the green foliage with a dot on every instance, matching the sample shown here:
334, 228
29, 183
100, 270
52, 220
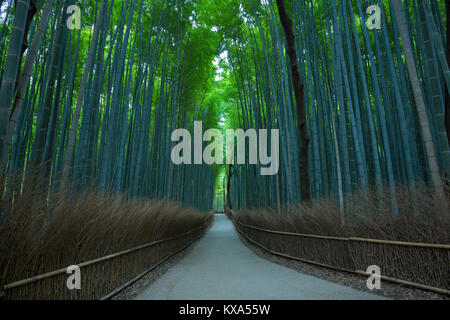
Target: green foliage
159, 65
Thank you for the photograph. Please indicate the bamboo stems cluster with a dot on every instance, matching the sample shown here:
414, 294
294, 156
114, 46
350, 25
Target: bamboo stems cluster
374, 99
95, 107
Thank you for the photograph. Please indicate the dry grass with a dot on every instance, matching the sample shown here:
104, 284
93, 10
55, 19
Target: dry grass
39, 235
421, 218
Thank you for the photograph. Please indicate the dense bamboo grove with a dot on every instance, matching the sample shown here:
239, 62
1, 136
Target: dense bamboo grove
96, 106
85, 138
368, 130
89, 103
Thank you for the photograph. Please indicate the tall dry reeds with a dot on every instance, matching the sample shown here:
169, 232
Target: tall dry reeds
422, 218
39, 234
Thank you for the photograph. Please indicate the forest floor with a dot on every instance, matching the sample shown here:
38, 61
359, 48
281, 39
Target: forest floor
220, 266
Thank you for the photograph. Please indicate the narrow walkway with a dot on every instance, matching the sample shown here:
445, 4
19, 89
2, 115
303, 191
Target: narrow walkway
221, 267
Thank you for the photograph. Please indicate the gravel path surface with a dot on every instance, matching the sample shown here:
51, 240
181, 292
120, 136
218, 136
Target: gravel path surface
137, 288
220, 266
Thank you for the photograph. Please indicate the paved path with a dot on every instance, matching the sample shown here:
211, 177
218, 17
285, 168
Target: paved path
221, 267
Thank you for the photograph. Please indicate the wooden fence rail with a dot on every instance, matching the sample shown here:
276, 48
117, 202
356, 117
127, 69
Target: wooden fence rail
356, 239
84, 264
348, 254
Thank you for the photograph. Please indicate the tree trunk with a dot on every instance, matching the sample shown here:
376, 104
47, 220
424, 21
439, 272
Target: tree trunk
447, 96
230, 174
32, 9
26, 74
31, 12
299, 99
10, 69
81, 91
420, 103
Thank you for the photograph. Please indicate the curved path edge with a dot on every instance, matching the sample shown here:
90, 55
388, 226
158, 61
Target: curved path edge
220, 267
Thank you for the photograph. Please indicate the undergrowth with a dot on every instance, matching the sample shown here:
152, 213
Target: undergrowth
40, 234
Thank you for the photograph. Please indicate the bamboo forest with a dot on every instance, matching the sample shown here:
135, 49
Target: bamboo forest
349, 97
